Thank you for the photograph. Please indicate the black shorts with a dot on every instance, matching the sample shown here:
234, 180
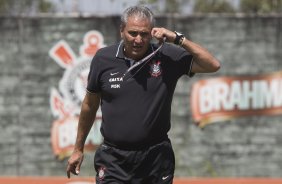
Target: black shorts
154, 165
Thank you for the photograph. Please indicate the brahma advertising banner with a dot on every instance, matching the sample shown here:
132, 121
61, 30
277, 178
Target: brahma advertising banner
224, 98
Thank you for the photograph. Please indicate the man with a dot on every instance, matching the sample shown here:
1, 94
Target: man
136, 105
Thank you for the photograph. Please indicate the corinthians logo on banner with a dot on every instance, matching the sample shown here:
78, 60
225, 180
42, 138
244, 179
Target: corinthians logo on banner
225, 98
65, 101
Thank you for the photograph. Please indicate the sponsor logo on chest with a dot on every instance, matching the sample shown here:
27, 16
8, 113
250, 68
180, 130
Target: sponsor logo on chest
115, 82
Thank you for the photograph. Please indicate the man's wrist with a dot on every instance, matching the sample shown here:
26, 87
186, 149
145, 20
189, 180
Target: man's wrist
179, 38
79, 147
80, 150
182, 41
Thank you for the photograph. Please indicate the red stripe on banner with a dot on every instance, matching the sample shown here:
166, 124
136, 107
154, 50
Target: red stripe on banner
64, 55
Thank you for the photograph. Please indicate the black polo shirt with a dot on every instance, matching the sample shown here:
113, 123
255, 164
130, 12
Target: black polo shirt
136, 110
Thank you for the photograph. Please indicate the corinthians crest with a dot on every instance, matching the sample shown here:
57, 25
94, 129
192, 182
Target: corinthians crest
65, 101
155, 68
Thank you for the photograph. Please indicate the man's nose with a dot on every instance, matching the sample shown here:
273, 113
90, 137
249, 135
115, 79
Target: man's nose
138, 38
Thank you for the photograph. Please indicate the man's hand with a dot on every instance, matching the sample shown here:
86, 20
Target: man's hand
74, 163
161, 33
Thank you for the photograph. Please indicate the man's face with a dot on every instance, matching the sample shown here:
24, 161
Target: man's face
136, 35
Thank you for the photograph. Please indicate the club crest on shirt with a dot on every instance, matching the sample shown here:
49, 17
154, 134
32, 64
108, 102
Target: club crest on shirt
101, 173
155, 68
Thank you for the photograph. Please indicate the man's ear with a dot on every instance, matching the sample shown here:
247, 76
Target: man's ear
121, 29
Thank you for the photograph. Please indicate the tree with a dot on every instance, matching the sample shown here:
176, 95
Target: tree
263, 6
27, 7
213, 6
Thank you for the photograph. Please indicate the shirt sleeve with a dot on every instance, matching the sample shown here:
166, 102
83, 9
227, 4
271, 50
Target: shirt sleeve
93, 84
182, 60
185, 61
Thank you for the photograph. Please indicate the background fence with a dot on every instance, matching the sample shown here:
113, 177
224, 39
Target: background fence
249, 146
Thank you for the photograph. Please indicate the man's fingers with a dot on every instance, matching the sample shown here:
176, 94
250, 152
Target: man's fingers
71, 168
68, 171
77, 169
74, 163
